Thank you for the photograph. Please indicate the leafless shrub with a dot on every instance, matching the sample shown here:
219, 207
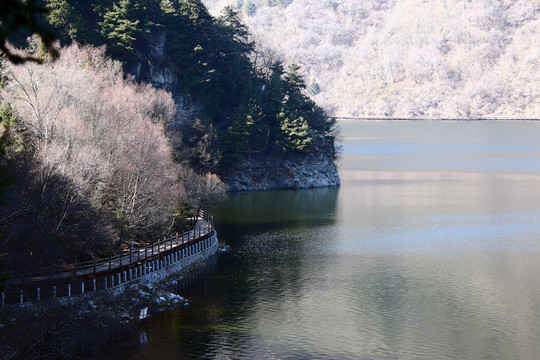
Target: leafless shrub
103, 135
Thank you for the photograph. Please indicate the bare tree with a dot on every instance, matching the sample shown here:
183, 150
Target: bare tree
101, 132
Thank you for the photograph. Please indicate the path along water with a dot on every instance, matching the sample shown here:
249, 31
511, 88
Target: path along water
157, 259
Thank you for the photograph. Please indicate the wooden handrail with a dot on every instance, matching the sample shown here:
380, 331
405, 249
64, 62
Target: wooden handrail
126, 259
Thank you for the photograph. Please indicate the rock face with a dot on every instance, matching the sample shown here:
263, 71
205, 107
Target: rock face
257, 172
154, 67
288, 171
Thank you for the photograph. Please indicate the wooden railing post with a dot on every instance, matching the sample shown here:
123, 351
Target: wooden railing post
187, 243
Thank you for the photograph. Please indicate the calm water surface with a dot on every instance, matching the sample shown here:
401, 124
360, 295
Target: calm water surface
429, 250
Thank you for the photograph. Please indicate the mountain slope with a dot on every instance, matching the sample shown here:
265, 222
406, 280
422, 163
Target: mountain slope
410, 58
229, 110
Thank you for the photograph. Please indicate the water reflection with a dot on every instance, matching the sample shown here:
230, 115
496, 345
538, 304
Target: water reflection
449, 146
195, 277
281, 208
404, 264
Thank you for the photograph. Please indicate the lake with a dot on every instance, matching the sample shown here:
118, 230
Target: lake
429, 250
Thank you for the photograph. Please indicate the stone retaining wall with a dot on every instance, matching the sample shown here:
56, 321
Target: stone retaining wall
151, 271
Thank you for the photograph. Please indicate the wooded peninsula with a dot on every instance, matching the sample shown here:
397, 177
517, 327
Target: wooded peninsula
98, 150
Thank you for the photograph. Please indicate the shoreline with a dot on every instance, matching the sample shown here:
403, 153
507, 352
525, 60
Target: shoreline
97, 324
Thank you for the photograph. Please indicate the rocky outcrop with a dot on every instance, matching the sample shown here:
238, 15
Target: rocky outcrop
154, 67
286, 171
258, 171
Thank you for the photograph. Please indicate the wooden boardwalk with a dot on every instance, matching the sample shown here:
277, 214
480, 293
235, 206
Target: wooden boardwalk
101, 274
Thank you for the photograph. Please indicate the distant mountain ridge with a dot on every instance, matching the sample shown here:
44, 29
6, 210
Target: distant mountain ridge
407, 58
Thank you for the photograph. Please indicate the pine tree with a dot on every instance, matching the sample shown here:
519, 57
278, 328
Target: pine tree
251, 8
259, 130
120, 30
233, 68
167, 8
190, 36
235, 140
246, 134
295, 81
233, 28
295, 134
314, 88
274, 97
65, 18
195, 12
317, 118
302, 105
294, 87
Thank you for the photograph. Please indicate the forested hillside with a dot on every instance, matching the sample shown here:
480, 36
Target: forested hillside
409, 58
242, 108
91, 157
88, 161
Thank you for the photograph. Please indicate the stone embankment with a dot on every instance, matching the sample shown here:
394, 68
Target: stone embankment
290, 171
149, 265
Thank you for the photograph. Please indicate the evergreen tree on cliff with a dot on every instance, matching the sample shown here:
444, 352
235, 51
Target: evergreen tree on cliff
250, 112
120, 30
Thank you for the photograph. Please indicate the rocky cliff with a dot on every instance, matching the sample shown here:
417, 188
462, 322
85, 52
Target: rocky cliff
258, 171
287, 171
153, 66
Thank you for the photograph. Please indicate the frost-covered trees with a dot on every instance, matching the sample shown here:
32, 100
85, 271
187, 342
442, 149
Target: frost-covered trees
409, 57
100, 131
101, 138
220, 73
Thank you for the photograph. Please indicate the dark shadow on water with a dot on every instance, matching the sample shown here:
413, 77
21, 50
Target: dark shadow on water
257, 212
268, 251
195, 277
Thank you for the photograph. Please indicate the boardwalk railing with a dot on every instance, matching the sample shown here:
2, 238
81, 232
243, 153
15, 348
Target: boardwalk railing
115, 270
